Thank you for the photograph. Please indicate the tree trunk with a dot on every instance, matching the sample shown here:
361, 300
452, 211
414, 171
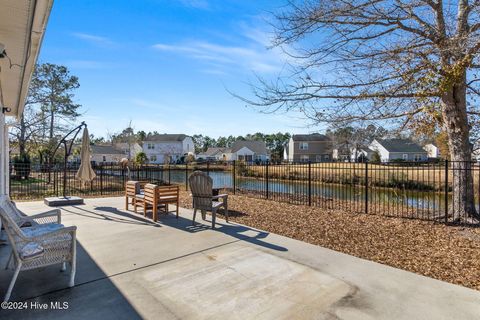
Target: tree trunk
455, 120
52, 123
21, 138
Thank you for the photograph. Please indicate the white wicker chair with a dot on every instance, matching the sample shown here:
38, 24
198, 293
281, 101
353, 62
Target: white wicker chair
201, 186
36, 247
22, 220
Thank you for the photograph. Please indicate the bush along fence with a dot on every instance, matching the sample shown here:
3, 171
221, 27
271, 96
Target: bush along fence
400, 189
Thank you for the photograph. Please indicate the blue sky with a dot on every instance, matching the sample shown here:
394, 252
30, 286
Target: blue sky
165, 64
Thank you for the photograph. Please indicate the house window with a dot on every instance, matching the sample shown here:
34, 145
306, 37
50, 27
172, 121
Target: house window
418, 157
303, 145
326, 157
153, 158
304, 158
150, 146
318, 158
405, 156
104, 158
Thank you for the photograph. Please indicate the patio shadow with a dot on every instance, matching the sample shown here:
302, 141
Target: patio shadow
116, 215
237, 231
94, 295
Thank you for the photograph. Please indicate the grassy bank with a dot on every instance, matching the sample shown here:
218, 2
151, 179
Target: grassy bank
422, 177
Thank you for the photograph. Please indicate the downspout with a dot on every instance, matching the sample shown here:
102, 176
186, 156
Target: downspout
4, 156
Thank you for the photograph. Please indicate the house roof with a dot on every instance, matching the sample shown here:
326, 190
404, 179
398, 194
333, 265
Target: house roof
22, 26
317, 137
213, 151
98, 149
166, 137
400, 145
258, 147
431, 144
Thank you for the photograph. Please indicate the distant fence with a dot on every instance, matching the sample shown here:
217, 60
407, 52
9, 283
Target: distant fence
399, 189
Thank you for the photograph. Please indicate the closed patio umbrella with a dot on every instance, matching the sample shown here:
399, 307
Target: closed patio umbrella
85, 173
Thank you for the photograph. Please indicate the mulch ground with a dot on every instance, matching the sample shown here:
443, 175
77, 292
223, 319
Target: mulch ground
448, 253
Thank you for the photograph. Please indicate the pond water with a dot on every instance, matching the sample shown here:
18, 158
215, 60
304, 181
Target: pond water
221, 179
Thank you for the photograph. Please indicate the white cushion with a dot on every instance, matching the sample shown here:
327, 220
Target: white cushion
31, 250
41, 229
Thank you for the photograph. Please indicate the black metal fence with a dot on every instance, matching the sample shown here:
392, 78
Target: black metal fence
400, 189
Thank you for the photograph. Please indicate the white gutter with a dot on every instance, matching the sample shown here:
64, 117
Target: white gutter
22, 27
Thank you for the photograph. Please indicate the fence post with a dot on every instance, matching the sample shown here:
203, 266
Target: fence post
266, 173
234, 177
446, 190
123, 176
309, 183
186, 176
55, 183
169, 174
101, 179
366, 187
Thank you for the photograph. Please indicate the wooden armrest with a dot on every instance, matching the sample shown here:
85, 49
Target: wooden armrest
224, 196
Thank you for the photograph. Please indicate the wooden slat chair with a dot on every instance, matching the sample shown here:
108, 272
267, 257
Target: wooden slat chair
34, 247
146, 200
201, 186
167, 195
132, 188
155, 197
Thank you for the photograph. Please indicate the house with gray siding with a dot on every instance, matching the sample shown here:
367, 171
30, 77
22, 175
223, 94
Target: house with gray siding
313, 147
167, 148
246, 150
398, 149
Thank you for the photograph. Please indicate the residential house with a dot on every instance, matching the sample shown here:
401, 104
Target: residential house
213, 154
433, 152
248, 150
313, 147
130, 150
342, 153
167, 148
398, 149
361, 154
105, 153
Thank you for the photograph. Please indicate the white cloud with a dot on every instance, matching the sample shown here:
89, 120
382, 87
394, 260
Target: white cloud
214, 71
256, 34
98, 40
254, 58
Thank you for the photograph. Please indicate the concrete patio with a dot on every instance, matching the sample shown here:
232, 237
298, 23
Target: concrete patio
129, 267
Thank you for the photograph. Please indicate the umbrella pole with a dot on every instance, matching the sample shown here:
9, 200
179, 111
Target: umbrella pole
65, 172
68, 151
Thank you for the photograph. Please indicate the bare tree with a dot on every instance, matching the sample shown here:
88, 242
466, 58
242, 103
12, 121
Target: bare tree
410, 61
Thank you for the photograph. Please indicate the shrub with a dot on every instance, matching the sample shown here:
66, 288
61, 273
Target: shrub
21, 165
189, 158
376, 157
141, 158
